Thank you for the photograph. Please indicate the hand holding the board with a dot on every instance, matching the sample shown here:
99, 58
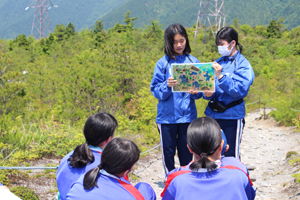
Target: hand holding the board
195, 91
171, 82
218, 70
208, 93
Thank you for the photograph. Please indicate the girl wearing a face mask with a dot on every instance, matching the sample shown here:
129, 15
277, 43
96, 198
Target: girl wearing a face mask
234, 75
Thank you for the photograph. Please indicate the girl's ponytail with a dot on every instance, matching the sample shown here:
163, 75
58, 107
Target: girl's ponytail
240, 46
97, 129
91, 177
204, 162
82, 156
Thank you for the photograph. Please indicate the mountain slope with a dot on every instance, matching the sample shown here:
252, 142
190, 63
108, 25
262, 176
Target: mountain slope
252, 12
14, 20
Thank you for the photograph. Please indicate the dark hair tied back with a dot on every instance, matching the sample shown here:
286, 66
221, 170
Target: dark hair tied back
119, 155
204, 137
97, 129
228, 34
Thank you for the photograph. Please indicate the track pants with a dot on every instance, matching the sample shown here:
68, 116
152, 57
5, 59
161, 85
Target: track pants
172, 136
233, 130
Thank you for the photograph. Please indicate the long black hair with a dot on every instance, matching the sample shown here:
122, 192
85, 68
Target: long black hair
170, 32
204, 137
97, 129
119, 155
228, 34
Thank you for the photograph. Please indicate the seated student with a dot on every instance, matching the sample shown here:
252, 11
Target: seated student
224, 160
106, 181
207, 178
98, 131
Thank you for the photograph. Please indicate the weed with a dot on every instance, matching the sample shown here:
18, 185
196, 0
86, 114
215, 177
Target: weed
25, 193
290, 153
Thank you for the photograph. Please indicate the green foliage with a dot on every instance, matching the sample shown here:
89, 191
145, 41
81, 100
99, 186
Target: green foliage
62, 32
24, 193
290, 153
57, 82
98, 27
274, 29
124, 28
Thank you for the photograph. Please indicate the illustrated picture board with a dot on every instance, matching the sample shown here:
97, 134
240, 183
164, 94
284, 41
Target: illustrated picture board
193, 76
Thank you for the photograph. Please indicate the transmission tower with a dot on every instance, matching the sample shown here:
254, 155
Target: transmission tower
41, 24
211, 16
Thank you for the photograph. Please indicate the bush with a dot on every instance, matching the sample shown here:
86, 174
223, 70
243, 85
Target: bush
25, 193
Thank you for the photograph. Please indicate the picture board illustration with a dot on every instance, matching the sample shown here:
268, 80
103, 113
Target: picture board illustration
193, 76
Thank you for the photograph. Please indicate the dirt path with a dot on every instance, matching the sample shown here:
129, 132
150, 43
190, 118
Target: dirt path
264, 145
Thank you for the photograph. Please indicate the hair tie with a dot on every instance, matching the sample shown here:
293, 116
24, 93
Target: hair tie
203, 154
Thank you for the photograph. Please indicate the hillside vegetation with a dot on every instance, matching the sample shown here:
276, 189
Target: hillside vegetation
49, 87
252, 12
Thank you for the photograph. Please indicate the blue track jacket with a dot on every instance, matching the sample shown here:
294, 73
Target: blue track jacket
66, 174
221, 184
172, 108
238, 77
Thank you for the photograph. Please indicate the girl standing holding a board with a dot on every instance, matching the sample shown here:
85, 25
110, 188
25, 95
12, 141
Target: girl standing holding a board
175, 111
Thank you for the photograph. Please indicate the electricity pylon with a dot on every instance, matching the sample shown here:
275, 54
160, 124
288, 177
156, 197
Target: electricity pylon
41, 24
211, 16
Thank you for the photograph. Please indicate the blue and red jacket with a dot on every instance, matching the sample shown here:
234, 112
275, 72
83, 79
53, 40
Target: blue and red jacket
238, 77
172, 108
111, 187
226, 182
67, 175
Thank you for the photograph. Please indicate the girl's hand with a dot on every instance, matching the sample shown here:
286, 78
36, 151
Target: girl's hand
218, 70
193, 91
171, 82
208, 93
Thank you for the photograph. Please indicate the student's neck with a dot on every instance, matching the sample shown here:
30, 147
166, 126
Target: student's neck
213, 157
101, 145
234, 50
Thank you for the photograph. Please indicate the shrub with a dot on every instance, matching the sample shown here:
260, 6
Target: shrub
25, 193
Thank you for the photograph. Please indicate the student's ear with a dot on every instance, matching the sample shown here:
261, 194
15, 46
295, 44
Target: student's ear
233, 43
189, 148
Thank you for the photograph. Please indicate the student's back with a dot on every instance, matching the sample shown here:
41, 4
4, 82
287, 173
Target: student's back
209, 177
106, 181
220, 184
108, 188
66, 175
98, 131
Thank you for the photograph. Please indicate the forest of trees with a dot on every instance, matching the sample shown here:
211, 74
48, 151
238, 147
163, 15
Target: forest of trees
49, 87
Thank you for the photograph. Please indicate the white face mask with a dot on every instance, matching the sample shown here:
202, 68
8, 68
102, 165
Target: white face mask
223, 50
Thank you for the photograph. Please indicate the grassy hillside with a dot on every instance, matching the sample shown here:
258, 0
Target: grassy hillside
14, 20
252, 12
49, 87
